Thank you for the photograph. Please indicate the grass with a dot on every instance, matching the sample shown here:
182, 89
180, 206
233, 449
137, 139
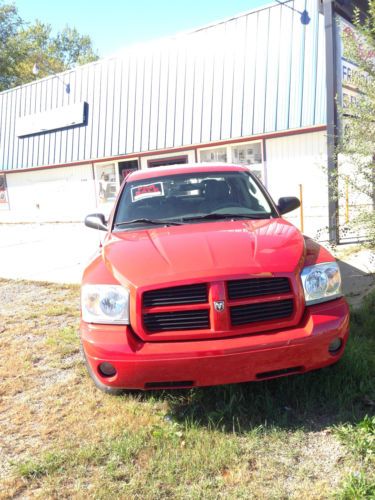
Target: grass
360, 440
344, 251
309, 436
357, 486
65, 342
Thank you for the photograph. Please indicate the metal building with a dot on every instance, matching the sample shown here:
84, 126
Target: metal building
257, 89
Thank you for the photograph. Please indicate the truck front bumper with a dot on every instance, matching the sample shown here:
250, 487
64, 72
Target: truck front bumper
157, 365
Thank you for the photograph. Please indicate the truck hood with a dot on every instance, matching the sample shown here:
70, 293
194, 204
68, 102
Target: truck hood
207, 251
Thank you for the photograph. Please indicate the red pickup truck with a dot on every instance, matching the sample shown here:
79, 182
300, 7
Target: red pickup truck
200, 281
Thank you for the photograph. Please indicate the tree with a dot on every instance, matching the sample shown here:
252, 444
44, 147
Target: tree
22, 45
357, 146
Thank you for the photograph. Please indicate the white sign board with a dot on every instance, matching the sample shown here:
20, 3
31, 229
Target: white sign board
55, 119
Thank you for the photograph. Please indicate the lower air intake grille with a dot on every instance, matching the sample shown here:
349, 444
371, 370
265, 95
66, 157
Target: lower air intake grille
179, 320
266, 311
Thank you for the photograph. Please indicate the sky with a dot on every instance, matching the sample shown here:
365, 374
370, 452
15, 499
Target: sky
113, 24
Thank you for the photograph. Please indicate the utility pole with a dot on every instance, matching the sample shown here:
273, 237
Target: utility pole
332, 129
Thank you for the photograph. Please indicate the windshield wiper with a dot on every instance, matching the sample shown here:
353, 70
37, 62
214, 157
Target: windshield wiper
182, 220
149, 221
216, 216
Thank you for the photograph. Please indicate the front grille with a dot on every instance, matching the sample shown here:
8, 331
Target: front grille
264, 311
189, 309
257, 287
178, 320
189, 294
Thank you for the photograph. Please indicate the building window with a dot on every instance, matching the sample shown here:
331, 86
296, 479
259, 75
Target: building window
108, 178
216, 154
126, 167
106, 182
3, 192
247, 154
171, 160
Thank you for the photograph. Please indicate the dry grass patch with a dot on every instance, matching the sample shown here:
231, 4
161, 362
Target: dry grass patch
62, 438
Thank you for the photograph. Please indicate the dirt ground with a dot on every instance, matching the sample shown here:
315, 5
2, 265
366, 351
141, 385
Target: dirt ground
29, 369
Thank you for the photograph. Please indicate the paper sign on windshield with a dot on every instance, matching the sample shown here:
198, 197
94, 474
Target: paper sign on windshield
147, 191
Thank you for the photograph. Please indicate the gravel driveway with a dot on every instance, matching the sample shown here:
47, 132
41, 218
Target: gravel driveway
46, 252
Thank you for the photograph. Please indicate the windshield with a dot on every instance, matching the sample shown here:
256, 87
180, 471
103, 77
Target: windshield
183, 198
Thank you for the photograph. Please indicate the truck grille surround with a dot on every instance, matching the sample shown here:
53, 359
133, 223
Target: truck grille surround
258, 303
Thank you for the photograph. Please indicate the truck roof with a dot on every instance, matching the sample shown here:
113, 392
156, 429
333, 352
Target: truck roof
151, 173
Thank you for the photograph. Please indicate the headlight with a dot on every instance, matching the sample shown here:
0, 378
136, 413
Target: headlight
321, 282
106, 304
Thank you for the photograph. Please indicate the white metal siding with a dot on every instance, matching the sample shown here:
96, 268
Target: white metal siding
301, 159
260, 72
65, 193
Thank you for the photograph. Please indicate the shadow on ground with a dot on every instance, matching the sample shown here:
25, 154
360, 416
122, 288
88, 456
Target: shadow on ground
357, 282
311, 402
342, 393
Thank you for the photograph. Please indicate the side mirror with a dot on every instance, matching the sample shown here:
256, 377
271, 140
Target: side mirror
287, 204
96, 221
